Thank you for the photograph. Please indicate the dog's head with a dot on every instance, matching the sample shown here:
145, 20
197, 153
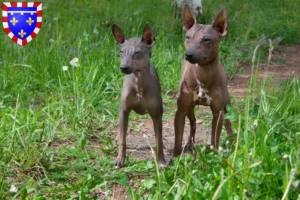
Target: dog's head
135, 52
202, 41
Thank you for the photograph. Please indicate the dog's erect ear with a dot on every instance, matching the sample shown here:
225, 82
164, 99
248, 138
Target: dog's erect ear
148, 36
189, 18
221, 23
118, 34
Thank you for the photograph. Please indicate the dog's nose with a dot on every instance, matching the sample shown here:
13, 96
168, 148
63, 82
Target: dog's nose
124, 68
188, 55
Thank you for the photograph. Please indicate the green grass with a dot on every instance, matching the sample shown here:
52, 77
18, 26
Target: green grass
55, 125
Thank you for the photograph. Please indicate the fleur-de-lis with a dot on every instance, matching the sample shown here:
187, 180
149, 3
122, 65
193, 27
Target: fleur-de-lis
29, 21
14, 21
22, 33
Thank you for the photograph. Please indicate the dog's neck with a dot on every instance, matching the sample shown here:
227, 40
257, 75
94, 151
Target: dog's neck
212, 63
141, 80
206, 73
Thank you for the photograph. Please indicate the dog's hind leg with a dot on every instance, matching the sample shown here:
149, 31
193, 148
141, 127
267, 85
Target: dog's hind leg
227, 124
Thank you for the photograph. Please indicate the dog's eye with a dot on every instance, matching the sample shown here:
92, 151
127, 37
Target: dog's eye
206, 39
187, 38
137, 52
121, 52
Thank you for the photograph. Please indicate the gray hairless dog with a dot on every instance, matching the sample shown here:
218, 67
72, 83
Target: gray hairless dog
141, 87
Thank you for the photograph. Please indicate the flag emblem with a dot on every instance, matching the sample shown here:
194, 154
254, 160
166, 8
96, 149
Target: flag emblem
22, 21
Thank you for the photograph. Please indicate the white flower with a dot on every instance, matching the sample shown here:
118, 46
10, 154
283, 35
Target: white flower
220, 149
211, 147
64, 68
51, 40
13, 189
95, 30
74, 62
85, 34
250, 154
285, 156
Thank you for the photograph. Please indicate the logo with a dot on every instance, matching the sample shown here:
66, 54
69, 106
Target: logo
22, 21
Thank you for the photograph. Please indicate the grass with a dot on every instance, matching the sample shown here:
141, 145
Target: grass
55, 125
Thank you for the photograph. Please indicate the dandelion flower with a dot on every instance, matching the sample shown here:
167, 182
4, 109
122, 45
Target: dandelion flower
64, 68
74, 62
51, 40
13, 189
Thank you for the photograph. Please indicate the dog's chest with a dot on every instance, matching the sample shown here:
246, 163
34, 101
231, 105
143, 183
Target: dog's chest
201, 95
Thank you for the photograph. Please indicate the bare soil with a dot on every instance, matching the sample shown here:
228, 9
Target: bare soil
285, 64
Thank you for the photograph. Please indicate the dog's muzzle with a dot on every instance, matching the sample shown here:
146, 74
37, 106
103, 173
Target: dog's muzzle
189, 56
125, 69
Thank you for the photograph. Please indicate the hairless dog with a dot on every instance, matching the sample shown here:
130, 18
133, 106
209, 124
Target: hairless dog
141, 87
203, 80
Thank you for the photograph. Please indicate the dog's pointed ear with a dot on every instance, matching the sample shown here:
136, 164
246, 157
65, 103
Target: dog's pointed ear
148, 36
221, 23
189, 18
118, 34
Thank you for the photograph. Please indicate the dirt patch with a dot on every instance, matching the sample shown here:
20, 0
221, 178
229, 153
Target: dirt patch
285, 64
138, 145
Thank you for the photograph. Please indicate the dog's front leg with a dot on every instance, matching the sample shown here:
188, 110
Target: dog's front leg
123, 124
179, 122
217, 123
185, 106
192, 118
157, 124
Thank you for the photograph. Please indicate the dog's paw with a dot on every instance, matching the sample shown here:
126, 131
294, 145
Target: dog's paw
189, 147
162, 164
119, 162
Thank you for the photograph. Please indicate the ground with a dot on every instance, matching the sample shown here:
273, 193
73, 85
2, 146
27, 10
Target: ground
285, 63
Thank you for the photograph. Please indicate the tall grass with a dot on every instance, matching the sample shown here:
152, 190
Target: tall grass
56, 125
